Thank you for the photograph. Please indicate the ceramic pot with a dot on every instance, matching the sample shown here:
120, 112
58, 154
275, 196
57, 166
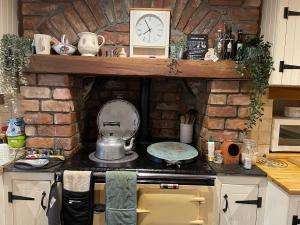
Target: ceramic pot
88, 44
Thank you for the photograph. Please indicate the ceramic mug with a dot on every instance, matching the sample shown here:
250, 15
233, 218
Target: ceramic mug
42, 44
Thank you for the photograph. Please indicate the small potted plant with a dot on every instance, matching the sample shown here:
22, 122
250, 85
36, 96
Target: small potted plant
177, 48
15, 54
256, 63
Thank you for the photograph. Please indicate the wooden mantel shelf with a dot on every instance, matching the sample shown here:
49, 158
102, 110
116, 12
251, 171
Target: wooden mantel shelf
112, 66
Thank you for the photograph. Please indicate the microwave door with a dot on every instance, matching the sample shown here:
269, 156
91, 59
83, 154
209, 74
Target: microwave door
289, 135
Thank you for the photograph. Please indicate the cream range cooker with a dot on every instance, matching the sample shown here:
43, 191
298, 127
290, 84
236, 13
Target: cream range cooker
175, 194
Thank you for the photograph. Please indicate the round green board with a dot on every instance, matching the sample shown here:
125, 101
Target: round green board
172, 151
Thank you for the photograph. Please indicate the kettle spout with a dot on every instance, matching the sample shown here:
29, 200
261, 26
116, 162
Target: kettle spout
129, 147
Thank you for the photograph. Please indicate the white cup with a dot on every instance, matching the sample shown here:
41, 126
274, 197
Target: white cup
42, 44
186, 133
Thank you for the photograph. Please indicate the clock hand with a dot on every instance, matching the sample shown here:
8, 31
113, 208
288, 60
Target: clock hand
147, 24
147, 31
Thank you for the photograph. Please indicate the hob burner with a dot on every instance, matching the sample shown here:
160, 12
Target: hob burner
128, 158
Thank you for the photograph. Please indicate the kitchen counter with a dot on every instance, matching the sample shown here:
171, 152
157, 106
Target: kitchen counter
236, 170
287, 178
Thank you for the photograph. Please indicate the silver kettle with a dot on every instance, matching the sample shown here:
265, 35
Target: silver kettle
112, 148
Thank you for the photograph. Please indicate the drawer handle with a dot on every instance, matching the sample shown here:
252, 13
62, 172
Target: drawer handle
201, 222
142, 211
198, 199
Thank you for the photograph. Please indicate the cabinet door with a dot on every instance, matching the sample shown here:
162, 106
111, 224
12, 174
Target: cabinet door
1, 200
292, 46
30, 211
237, 214
183, 206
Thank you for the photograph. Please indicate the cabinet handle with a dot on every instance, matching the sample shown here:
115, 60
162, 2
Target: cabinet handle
295, 221
226, 205
198, 199
142, 211
199, 222
42, 200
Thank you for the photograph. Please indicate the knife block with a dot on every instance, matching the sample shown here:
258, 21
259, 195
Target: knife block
231, 152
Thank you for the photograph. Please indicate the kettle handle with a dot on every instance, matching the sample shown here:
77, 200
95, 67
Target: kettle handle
103, 41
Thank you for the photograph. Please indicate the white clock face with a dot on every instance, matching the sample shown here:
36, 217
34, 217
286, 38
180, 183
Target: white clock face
149, 28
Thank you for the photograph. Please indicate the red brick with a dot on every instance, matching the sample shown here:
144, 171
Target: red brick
120, 27
55, 80
155, 114
30, 105
65, 130
168, 133
157, 4
39, 142
188, 11
97, 12
30, 78
170, 115
243, 112
115, 85
63, 94
221, 111
214, 123
238, 100
164, 85
171, 97
245, 86
38, 118
57, 106
74, 20
67, 143
224, 86
167, 106
235, 124
108, 9
85, 14
64, 118
48, 131
110, 37
197, 17
118, 10
252, 3
219, 135
30, 131
164, 123
38, 8
244, 14
208, 23
122, 38
180, 5
30, 22
35, 92
217, 99
225, 2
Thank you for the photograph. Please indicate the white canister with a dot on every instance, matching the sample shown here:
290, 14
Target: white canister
42, 44
186, 133
4, 152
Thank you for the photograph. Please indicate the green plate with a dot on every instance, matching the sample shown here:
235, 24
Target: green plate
172, 151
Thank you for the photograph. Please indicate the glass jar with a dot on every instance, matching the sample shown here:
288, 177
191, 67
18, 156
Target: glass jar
218, 157
249, 149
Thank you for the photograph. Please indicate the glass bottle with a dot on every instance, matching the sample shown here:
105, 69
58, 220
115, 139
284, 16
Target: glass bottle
228, 43
219, 45
239, 45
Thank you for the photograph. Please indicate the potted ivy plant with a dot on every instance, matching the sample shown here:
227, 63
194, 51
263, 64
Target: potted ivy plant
15, 54
256, 63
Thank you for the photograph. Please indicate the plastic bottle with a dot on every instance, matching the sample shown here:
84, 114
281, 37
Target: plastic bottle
211, 149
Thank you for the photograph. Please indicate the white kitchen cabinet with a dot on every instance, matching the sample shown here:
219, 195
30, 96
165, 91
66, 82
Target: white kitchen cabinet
280, 26
24, 195
1, 201
283, 209
241, 200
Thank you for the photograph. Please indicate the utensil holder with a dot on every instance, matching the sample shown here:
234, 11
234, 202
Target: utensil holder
186, 133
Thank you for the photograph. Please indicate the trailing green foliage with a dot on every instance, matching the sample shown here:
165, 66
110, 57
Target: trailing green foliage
256, 63
15, 54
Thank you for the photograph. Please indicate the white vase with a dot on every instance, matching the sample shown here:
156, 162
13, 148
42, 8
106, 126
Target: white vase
88, 44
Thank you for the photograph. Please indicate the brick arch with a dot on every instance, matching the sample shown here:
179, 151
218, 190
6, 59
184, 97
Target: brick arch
111, 18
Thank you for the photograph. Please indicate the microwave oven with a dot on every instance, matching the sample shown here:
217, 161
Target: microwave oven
285, 134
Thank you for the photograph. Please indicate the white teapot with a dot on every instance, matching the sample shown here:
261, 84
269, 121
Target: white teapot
88, 44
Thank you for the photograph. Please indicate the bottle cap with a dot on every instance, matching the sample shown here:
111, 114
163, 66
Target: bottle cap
210, 139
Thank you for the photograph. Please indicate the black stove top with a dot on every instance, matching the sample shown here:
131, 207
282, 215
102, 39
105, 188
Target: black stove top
81, 161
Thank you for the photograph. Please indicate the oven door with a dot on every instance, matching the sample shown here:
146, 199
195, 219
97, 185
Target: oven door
160, 205
285, 135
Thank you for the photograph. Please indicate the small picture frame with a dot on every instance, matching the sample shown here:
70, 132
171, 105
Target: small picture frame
197, 46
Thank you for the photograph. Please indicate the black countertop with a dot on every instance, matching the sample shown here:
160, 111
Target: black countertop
143, 164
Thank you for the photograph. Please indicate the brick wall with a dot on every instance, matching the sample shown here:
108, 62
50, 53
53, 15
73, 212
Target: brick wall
222, 105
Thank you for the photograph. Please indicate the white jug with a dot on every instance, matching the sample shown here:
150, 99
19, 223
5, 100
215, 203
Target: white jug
88, 43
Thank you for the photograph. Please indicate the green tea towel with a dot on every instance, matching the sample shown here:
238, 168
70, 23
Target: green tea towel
120, 199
